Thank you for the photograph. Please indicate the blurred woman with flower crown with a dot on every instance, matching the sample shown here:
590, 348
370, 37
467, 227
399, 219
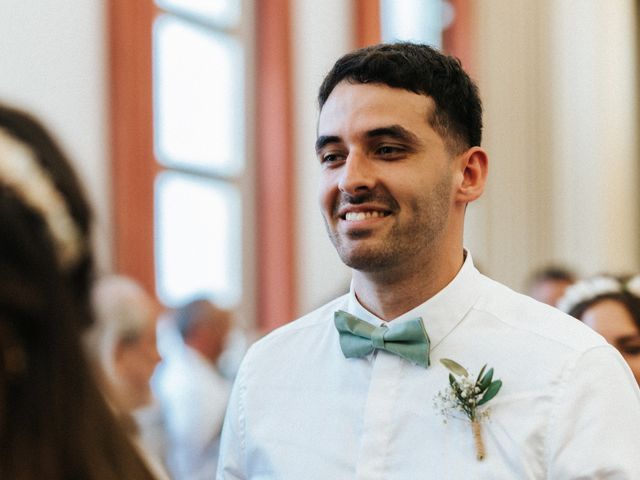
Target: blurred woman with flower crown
611, 306
54, 422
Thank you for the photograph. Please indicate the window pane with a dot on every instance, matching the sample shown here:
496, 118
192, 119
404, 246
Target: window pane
198, 96
198, 239
415, 20
224, 13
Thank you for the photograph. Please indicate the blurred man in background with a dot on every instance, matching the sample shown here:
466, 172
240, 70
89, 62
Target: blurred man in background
192, 390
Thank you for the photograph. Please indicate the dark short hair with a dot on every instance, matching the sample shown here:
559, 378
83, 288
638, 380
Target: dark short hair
194, 312
553, 272
423, 70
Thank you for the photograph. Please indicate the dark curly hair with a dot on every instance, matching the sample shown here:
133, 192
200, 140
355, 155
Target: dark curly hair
423, 70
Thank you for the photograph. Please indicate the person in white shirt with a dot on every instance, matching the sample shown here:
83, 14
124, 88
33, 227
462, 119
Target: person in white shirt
192, 391
358, 389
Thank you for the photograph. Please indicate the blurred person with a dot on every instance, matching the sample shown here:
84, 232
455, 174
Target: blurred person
192, 390
122, 345
54, 421
123, 340
347, 391
611, 306
548, 284
238, 340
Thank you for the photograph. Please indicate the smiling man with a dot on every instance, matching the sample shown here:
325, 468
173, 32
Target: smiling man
357, 389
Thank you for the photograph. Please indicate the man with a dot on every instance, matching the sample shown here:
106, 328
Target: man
192, 391
330, 396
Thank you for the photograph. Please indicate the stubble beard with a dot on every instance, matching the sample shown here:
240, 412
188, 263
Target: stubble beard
404, 244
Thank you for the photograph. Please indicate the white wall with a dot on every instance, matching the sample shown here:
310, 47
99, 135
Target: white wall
321, 34
595, 120
53, 63
559, 85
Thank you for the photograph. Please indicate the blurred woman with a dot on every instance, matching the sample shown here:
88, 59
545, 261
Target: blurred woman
610, 306
54, 422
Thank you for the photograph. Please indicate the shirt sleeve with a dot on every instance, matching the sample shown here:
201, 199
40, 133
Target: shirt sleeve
594, 428
231, 461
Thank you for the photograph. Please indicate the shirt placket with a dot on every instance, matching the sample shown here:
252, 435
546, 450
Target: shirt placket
378, 425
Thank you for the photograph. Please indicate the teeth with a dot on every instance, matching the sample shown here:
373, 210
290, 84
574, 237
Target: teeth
356, 216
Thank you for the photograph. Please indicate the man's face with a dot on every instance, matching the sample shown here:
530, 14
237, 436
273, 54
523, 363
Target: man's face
386, 183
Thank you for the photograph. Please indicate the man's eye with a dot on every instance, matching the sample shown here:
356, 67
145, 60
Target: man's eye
329, 158
389, 150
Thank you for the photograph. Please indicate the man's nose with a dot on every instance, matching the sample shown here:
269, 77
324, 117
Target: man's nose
357, 175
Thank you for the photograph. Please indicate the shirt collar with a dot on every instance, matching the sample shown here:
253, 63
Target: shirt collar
442, 312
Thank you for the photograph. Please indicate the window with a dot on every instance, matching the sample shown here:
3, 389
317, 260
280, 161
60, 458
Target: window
199, 145
201, 204
421, 21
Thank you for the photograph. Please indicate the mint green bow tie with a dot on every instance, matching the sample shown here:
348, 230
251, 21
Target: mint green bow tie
358, 338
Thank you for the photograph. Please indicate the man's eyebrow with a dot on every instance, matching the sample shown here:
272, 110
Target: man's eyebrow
394, 131
324, 140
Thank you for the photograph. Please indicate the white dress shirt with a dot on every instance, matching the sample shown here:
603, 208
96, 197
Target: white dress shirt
569, 407
193, 396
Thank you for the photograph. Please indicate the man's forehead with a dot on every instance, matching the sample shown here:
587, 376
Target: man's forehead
346, 91
365, 107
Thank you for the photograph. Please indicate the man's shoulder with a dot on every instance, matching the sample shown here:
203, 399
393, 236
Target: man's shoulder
522, 313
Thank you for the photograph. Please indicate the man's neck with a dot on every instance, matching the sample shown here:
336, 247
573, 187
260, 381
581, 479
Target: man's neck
390, 294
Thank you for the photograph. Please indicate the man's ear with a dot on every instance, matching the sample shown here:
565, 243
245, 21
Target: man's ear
473, 166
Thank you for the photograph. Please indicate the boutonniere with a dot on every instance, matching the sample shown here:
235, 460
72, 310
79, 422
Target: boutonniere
466, 396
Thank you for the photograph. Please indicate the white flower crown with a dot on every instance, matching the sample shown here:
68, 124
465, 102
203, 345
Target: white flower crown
588, 289
21, 172
633, 286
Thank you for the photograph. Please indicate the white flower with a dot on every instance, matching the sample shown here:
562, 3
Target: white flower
633, 286
464, 397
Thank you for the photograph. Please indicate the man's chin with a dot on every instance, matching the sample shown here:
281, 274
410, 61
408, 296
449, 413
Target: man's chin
364, 259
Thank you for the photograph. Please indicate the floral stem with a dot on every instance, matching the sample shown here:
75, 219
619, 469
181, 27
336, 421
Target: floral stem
477, 437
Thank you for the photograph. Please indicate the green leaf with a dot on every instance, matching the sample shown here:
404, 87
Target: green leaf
491, 392
454, 367
455, 387
480, 374
486, 380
